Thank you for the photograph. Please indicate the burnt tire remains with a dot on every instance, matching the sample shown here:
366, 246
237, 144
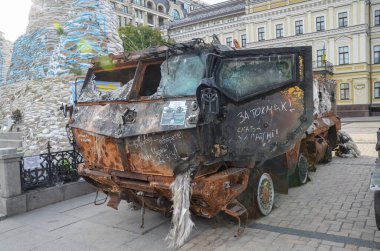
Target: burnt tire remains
265, 194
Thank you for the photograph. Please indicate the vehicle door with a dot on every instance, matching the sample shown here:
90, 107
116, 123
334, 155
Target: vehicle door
255, 104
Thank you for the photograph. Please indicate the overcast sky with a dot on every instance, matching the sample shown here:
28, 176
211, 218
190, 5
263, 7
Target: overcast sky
14, 16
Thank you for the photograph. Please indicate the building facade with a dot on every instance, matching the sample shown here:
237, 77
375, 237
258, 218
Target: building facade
346, 33
153, 13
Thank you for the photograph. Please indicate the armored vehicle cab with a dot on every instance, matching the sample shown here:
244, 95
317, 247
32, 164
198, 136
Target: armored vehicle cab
213, 114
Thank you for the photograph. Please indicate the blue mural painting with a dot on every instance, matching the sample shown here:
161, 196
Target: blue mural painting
31, 55
88, 34
58, 50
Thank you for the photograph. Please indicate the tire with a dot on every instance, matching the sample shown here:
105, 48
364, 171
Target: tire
377, 208
328, 155
302, 171
265, 194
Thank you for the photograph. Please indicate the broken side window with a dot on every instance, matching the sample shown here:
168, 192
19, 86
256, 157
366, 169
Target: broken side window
151, 80
108, 86
181, 75
243, 77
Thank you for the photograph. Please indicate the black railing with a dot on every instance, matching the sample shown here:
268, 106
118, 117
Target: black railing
49, 169
323, 66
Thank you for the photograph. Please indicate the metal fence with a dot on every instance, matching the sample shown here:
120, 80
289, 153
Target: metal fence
49, 169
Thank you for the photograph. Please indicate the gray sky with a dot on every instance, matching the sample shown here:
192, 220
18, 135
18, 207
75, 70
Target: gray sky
14, 16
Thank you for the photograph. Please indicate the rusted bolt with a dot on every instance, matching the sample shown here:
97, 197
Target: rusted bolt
266, 125
226, 185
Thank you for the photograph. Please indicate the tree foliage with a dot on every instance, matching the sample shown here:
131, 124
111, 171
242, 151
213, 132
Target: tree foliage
139, 37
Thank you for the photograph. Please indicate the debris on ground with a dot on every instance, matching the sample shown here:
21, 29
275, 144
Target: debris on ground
346, 148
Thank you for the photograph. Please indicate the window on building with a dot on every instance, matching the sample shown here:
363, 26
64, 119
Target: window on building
149, 4
344, 91
175, 15
244, 40
160, 9
320, 58
261, 34
320, 22
343, 55
377, 90
376, 54
125, 21
187, 7
160, 21
137, 2
229, 41
299, 27
150, 19
377, 17
279, 30
138, 14
119, 20
125, 9
342, 19
113, 4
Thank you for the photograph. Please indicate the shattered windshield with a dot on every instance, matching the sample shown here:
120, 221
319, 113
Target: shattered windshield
108, 86
242, 77
181, 75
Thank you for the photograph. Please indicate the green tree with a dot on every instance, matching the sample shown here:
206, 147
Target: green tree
139, 37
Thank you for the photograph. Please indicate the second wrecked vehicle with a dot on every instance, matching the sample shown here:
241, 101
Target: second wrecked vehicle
194, 127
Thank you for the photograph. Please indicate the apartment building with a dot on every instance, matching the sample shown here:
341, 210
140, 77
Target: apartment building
154, 13
344, 32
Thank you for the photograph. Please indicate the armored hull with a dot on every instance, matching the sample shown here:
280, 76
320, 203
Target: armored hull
224, 121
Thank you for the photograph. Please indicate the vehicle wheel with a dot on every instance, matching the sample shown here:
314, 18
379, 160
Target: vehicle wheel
302, 169
377, 209
265, 194
328, 155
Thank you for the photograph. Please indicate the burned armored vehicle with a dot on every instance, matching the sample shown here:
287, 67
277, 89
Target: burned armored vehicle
192, 127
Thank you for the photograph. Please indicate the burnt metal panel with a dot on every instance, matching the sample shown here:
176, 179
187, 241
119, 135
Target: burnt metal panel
111, 119
263, 124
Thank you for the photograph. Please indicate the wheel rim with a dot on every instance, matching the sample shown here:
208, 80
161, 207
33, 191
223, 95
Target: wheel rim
265, 194
303, 169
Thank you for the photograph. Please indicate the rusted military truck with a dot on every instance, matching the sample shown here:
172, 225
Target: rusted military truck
195, 126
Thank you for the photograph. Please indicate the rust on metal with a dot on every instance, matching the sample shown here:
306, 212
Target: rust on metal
192, 108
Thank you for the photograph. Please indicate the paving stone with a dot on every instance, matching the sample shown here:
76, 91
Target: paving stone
314, 243
367, 236
364, 249
324, 247
359, 225
335, 244
351, 247
303, 248
336, 227
346, 226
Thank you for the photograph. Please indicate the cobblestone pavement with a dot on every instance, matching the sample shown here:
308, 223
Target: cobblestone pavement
334, 211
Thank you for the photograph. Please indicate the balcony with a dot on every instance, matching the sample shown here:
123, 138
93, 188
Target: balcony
324, 67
